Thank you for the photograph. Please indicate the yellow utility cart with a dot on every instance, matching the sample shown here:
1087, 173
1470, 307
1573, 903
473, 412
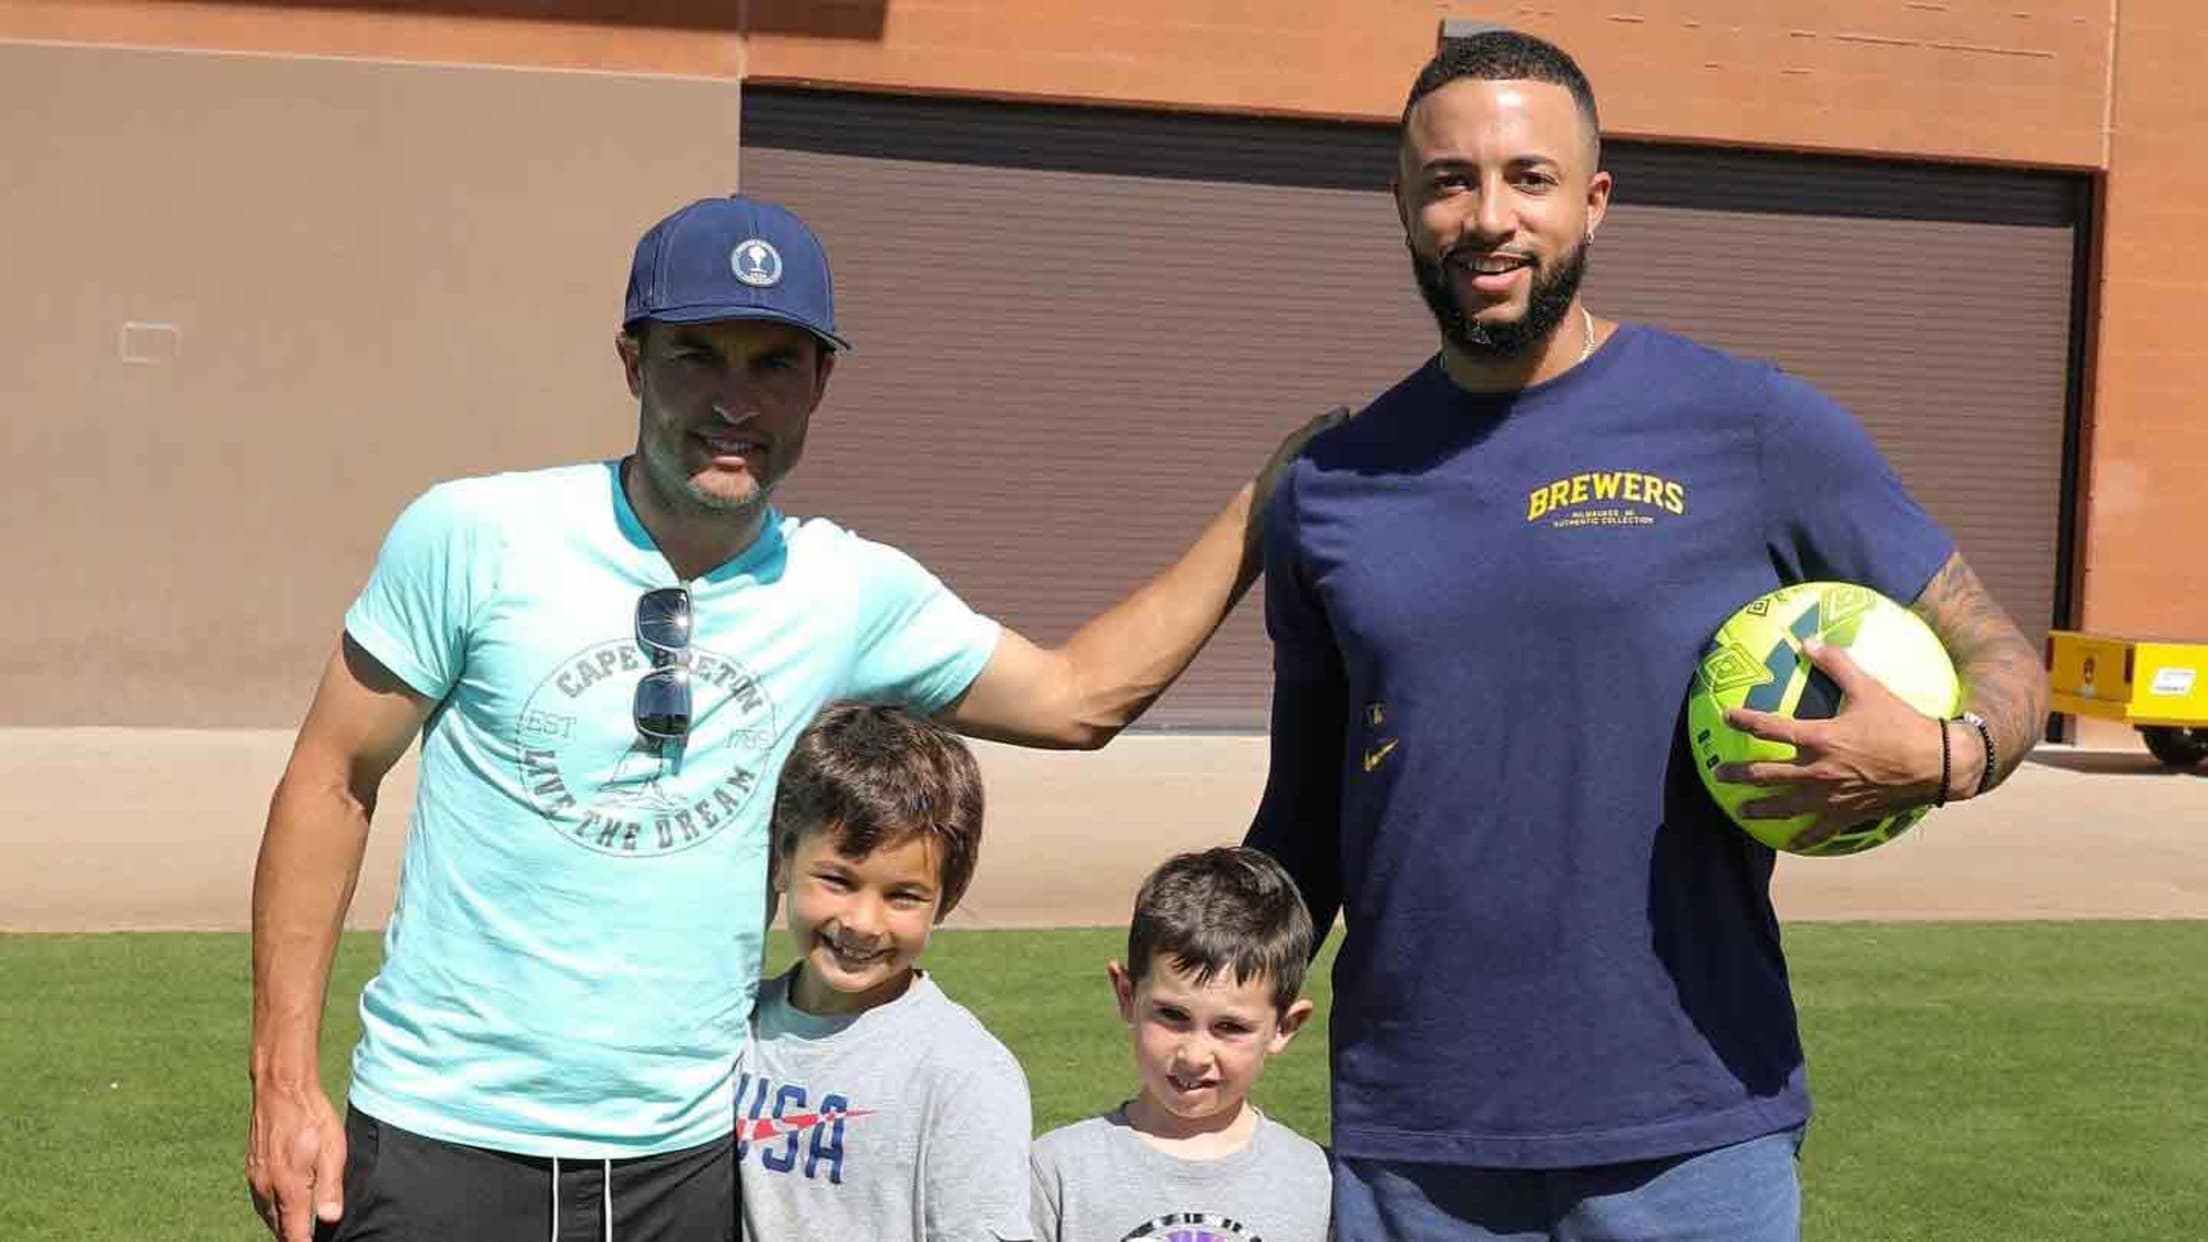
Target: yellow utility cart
2159, 688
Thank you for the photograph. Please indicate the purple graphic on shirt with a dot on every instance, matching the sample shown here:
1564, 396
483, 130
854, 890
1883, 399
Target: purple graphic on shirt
1193, 1227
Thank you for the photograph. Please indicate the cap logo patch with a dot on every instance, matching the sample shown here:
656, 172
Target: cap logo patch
756, 263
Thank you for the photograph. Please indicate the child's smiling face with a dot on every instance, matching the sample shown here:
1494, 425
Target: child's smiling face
858, 923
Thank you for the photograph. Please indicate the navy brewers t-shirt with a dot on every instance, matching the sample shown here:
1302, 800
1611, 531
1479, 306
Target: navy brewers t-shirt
1486, 612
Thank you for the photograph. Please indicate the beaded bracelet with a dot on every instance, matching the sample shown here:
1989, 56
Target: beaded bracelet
1947, 767
1985, 736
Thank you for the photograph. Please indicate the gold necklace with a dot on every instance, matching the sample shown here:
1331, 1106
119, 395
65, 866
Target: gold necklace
1587, 317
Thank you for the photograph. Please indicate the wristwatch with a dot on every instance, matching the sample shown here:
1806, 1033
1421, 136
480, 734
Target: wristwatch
1985, 735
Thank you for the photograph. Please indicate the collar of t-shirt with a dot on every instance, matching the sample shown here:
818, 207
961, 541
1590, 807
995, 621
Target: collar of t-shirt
756, 559
779, 1016
1187, 1169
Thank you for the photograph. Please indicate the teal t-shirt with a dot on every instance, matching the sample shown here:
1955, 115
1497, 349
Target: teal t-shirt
571, 964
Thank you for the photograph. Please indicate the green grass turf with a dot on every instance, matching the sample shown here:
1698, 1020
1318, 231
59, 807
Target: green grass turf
2018, 1081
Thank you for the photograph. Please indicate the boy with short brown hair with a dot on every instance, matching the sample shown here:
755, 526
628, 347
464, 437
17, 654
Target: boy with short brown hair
1216, 954
871, 1105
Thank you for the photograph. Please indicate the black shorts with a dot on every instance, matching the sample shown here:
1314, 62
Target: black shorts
402, 1187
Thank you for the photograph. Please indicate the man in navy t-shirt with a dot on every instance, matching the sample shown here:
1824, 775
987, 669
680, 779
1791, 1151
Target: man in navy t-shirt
1561, 1008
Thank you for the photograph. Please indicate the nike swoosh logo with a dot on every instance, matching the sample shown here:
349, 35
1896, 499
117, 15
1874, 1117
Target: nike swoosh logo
1376, 755
796, 1123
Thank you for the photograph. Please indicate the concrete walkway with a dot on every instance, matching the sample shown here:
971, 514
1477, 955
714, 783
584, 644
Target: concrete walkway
111, 829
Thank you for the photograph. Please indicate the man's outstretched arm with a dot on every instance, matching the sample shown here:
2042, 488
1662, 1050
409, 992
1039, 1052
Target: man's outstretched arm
361, 722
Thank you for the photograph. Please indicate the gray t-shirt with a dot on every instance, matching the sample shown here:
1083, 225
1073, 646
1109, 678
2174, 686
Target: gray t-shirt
1098, 1181
908, 1121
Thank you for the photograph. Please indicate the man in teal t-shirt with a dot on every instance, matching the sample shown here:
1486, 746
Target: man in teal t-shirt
606, 664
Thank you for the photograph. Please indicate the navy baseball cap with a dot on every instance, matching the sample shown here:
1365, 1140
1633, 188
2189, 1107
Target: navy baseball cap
733, 258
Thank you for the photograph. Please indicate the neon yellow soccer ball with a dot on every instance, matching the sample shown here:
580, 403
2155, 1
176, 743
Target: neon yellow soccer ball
1755, 660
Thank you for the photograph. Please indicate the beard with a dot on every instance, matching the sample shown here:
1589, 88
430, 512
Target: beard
675, 485
1554, 287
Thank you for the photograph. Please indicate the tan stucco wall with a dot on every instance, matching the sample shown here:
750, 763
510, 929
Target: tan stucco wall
263, 301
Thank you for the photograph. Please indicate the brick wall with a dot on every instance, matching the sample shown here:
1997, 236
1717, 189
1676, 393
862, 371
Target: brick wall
2146, 546
2010, 80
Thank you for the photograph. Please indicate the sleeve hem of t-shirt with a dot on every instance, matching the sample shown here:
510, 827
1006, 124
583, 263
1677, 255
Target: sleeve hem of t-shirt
1919, 576
391, 653
958, 676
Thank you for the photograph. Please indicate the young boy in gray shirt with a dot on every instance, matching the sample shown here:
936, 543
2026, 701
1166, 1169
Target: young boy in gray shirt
1215, 959
870, 1105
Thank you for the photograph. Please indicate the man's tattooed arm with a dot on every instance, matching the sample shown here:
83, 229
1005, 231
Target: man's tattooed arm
2002, 677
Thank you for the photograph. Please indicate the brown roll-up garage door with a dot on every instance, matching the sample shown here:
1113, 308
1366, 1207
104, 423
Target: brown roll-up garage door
1077, 330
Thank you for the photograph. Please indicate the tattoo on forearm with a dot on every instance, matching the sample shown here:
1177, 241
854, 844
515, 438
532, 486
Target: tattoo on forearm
2003, 679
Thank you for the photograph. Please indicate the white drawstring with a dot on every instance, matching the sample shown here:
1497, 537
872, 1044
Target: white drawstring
605, 1180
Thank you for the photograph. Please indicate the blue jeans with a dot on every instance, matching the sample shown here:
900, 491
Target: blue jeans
1747, 1192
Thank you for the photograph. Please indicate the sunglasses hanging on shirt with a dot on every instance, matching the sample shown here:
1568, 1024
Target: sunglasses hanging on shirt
662, 704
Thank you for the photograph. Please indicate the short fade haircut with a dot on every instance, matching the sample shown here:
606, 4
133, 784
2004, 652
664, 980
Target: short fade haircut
1230, 910
1508, 56
877, 777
